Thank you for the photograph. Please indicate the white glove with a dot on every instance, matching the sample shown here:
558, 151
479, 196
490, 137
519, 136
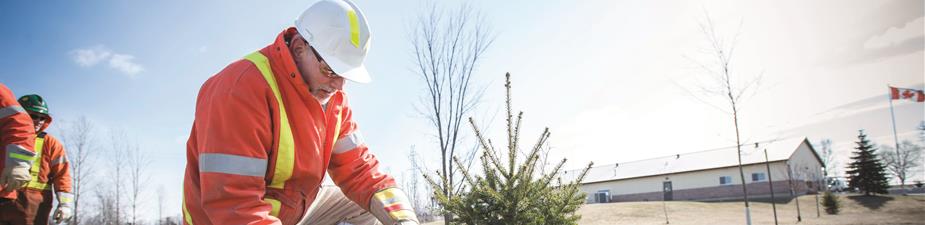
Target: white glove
15, 173
63, 213
391, 206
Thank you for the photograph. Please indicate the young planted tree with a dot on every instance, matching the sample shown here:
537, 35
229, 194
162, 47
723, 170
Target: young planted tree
726, 84
866, 172
512, 191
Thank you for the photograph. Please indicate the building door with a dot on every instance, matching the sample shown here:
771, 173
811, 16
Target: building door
666, 189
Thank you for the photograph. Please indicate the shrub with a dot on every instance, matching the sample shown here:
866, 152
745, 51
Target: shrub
830, 202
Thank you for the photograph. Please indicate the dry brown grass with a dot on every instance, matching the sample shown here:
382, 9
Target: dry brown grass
855, 210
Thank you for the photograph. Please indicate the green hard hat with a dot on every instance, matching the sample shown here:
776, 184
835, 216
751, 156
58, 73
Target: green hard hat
34, 103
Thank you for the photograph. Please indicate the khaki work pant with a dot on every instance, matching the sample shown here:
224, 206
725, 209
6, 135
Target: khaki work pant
332, 207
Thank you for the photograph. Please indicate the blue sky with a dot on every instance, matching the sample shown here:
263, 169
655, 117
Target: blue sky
595, 72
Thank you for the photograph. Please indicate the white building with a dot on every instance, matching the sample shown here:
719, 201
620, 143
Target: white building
707, 175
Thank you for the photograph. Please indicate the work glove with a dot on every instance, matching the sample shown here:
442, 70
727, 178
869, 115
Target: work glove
65, 207
15, 173
391, 207
63, 213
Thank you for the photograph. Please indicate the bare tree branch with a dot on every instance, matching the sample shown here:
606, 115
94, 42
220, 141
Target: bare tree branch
447, 47
80, 140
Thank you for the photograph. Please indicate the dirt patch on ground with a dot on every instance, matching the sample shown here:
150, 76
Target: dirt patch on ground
855, 210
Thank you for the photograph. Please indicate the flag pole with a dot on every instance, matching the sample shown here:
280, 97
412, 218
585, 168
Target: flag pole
893, 118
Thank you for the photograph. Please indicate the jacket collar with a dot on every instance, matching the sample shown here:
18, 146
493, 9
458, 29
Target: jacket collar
283, 65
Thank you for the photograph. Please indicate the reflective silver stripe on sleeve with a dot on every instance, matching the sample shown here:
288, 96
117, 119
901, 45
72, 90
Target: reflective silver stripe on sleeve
65, 198
19, 155
232, 164
348, 142
10, 110
59, 160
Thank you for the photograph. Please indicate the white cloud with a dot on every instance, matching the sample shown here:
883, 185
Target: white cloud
895, 36
124, 64
91, 56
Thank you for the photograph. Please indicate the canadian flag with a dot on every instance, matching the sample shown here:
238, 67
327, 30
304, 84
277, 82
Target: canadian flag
907, 93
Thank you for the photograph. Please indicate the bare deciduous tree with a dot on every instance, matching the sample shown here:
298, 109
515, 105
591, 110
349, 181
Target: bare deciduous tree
901, 163
79, 138
412, 184
138, 163
447, 50
826, 153
160, 204
118, 162
726, 85
107, 211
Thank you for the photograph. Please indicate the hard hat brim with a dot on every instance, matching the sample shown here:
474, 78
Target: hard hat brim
355, 73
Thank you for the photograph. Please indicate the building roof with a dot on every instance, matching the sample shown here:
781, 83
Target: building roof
778, 150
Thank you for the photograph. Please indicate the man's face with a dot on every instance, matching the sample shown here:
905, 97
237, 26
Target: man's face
322, 81
38, 120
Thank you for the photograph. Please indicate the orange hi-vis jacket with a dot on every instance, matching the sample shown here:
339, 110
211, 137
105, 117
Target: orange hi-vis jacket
50, 172
17, 133
261, 144
51, 168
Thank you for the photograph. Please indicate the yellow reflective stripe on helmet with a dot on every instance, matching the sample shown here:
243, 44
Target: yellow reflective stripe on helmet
285, 155
354, 28
274, 205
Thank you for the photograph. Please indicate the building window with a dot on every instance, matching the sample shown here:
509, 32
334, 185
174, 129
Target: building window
602, 196
724, 180
758, 177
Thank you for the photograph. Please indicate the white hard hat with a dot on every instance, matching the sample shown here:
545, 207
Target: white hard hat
337, 29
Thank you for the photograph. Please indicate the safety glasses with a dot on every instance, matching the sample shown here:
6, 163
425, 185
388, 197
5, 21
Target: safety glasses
325, 69
38, 117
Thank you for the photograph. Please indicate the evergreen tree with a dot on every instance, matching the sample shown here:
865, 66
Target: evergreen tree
866, 172
512, 191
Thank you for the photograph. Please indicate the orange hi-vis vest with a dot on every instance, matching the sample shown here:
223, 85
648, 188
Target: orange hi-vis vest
261, 144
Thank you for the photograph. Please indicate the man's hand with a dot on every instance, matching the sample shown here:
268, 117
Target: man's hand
65, 207
15, 173
63, 213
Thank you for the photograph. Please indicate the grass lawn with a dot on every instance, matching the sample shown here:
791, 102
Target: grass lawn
890, 209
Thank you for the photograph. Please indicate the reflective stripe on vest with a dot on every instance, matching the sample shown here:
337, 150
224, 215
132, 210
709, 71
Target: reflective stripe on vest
285, 154
37, 166
186, 215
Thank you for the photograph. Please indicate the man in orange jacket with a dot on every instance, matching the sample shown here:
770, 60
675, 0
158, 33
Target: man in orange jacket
51, 173
16, 138
268, 127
